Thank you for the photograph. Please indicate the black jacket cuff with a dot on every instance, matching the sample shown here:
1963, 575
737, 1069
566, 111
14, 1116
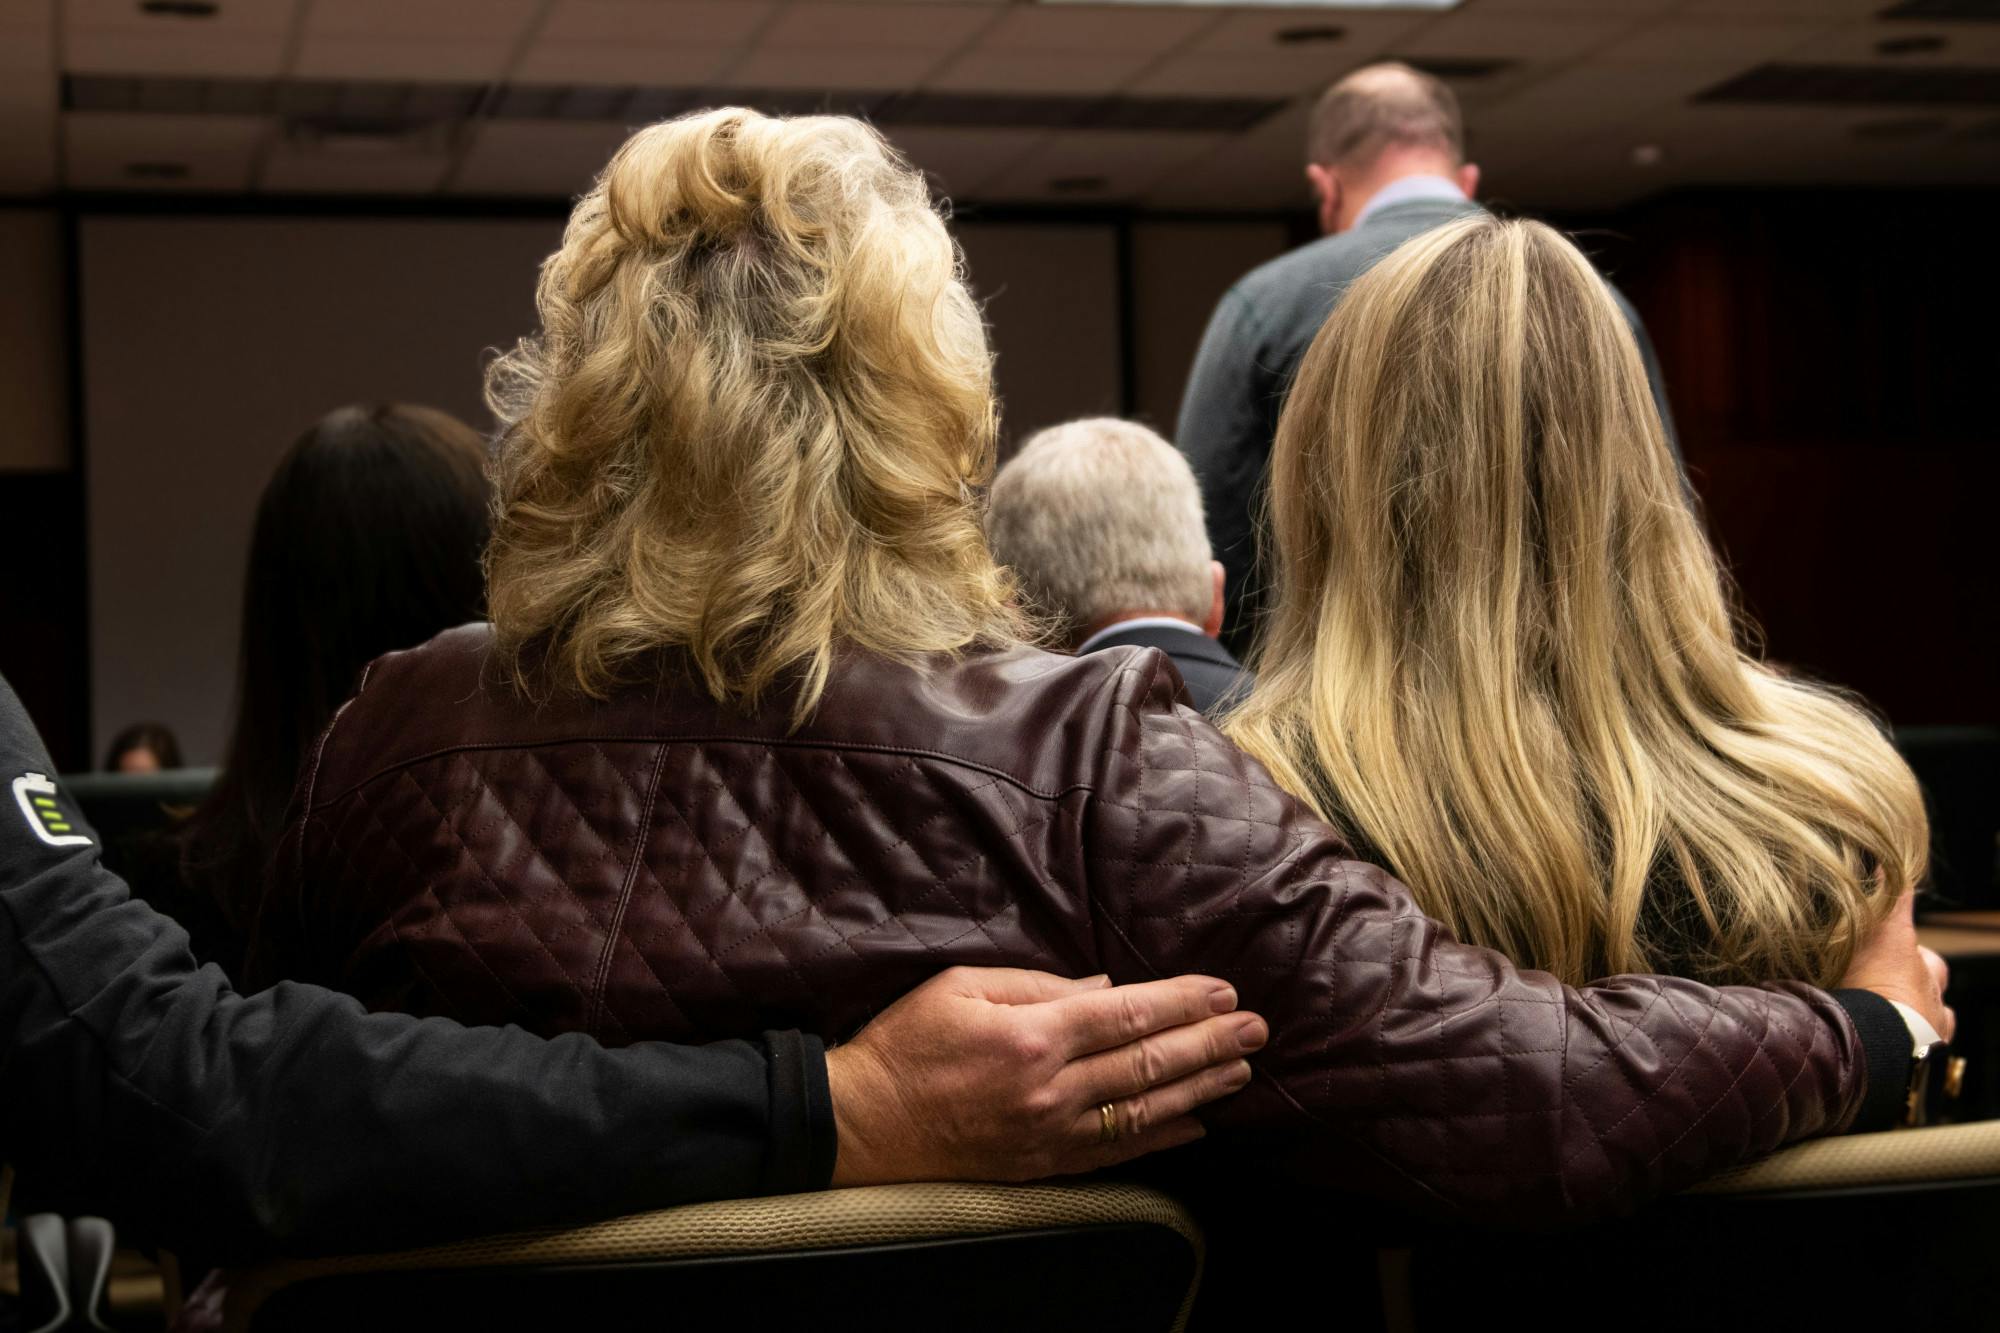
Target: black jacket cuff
1888, 1050
802, 1135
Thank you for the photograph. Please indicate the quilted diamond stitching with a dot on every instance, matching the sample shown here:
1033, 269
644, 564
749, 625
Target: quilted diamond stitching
1409, 1051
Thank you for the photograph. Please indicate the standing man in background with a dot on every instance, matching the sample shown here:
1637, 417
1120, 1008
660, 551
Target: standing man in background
1386, 162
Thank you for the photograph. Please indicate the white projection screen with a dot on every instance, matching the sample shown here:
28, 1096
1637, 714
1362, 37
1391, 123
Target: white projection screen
211, 342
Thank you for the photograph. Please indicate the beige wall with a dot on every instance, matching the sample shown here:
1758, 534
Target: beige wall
1050, 292
209, 344
34, 343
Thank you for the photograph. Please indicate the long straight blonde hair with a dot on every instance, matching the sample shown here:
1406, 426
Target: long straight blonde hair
1502, 654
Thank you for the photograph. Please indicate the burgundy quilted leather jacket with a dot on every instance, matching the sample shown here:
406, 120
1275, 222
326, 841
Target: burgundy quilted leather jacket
657, 867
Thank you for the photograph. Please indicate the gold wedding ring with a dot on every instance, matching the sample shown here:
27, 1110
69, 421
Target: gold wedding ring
1107, 1123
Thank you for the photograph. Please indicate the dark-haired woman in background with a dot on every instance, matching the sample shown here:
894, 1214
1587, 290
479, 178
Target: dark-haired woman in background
143, 747
367, 539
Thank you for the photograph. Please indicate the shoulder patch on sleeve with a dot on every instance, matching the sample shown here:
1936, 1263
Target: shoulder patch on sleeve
41, 805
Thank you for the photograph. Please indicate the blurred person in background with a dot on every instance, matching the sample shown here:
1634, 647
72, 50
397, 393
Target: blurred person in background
1100, 520
1385, 162
754, 740
1502, 660
143, 747
367, 538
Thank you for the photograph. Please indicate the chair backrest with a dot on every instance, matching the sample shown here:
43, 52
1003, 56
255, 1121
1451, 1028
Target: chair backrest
1096, 1258
1901, 1161
129, 810
1890, 1230
120, 803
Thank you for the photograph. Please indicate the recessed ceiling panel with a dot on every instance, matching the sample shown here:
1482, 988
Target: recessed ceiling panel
135, 151
657, 22
832, 67
1789, 84
527, 159
681, 65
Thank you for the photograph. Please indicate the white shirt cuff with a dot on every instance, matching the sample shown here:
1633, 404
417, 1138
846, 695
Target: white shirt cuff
1922, 1035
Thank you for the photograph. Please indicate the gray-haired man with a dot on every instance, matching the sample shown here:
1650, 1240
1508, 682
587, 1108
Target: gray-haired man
1101, 521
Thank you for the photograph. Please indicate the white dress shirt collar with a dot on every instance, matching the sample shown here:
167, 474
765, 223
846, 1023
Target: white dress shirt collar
1408, 189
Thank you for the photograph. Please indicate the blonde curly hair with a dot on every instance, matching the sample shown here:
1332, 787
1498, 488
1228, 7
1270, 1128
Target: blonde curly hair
753, 423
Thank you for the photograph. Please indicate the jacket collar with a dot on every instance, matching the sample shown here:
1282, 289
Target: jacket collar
1174, 640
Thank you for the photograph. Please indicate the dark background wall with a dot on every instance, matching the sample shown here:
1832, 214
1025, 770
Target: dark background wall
1829, 354
1833, 360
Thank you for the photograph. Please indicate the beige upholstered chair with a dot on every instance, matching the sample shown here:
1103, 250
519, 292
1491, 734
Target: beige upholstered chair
1095, 1257
1896, 1230
1946, 1156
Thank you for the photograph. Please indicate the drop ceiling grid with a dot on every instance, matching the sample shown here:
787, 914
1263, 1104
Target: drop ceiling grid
1430, 35
1640, 57
1601, 149
1650, 66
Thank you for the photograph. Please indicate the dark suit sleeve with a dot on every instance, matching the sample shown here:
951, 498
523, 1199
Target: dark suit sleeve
140, 1086
1225, 430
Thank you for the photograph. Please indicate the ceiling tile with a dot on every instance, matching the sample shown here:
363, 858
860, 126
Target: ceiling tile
115, 37
524, 158
960, 162
237, 16
27, 36
926, 27
100, 150
1588, 95
1745, 42
986, 70
1964, 43
133, 51
1711, 144
403, 58
1544, 40
1103, 29
1127, 164
1304, 70
1577, 6
697, 22
477, 21
858, 68
1361, 34
292, 169
678, 66
1805, 8
245, 38
1282, 138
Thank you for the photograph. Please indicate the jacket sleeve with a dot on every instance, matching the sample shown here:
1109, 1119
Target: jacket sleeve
1405, 1064
142, 1087
1228, 411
